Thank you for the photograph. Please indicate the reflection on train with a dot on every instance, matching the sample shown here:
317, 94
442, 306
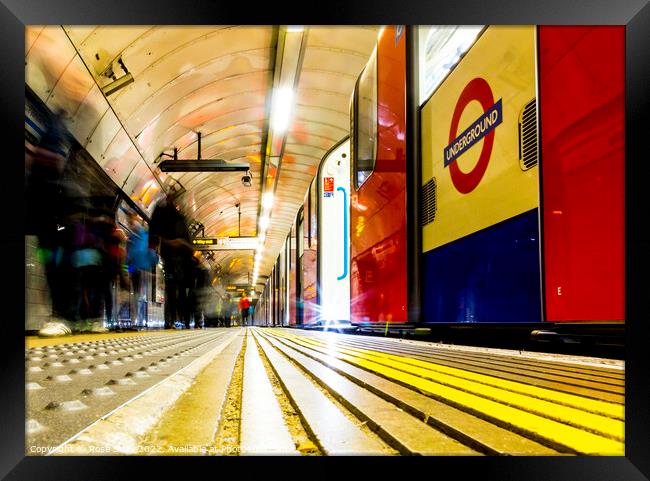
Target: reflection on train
515, 139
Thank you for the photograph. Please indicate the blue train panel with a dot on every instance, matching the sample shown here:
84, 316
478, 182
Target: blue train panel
491, 276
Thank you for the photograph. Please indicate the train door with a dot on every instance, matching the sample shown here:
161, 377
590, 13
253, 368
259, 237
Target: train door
292, 277
282, 272
300, 247
274, 297
277, 315
285, 281
311, 309
333, 195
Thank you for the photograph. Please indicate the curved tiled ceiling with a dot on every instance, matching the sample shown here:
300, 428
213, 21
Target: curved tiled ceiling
216, 80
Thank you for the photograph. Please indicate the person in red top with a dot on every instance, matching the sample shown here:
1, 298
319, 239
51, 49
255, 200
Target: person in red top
244, 305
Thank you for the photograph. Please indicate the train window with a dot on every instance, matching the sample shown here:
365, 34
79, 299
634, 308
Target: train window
440, 48
365, 128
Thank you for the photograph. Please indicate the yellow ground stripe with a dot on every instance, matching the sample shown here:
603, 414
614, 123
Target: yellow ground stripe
35, 341
577, 417
556, 432
613, 410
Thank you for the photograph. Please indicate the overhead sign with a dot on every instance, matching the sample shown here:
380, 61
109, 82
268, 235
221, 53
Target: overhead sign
208, 241
225, 243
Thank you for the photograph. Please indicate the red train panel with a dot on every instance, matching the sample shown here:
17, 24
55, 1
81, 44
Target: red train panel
582, 108
378, 218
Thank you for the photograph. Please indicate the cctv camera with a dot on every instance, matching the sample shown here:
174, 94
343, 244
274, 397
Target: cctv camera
246, 180
118, 84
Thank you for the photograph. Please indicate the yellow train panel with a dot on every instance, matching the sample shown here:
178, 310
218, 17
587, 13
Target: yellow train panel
471, 137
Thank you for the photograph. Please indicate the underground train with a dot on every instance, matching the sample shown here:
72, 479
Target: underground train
482, 184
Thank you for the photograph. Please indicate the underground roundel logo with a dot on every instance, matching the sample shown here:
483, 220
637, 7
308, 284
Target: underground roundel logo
482, 128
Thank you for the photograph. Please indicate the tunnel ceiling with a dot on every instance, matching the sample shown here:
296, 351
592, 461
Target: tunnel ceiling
214, 80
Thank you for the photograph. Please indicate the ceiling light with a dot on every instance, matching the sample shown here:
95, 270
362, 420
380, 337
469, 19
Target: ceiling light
282, 99
267, 200
295, 28
264, 222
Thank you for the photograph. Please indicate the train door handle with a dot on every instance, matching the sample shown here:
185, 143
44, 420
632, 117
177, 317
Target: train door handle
345, 234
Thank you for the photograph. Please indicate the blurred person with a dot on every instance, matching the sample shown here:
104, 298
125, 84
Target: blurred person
88, 259
244, 306
140, 258
199, 292
101, 279
168, 234
227, 311
53, 202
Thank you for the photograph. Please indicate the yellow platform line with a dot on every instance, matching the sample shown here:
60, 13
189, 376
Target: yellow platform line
35, 341
520, 420
574, 416
605, 408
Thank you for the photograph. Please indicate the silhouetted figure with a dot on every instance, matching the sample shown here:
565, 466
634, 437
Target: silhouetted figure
169, 234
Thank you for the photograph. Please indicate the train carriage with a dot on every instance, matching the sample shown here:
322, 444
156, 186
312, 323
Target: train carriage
512, 153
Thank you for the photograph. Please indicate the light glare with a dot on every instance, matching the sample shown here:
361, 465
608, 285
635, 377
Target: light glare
282, 100
267, 200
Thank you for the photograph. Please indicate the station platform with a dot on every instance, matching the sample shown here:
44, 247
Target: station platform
276, 391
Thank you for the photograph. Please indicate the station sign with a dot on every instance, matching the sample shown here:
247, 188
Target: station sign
225, 243
209, 241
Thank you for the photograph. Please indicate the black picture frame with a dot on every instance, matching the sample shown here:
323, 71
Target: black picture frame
635, 14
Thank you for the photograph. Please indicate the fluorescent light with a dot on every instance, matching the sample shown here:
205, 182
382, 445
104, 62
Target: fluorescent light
264, 222
282, 100
261, 237
267, 200
295, 28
